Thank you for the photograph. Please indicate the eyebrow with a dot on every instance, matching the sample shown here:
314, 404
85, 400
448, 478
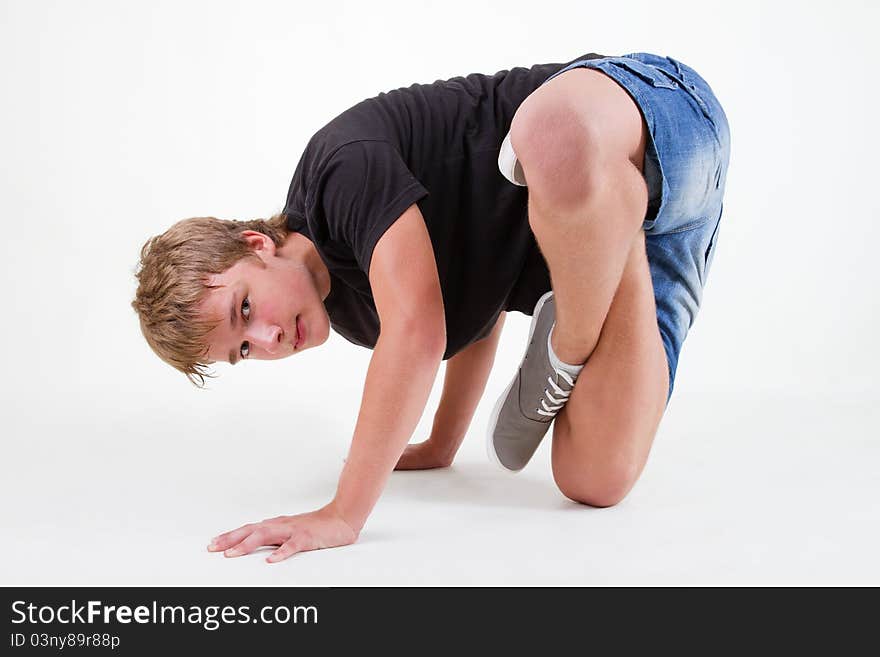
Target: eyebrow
233, 318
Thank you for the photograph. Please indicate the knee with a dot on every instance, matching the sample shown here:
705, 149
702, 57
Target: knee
599, 486
560, 153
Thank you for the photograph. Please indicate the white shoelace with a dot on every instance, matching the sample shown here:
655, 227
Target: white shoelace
555, 404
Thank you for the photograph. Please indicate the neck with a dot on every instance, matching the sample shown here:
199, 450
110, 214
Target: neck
300, 248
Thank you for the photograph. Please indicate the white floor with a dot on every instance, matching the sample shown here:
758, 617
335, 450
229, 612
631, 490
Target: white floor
738, 490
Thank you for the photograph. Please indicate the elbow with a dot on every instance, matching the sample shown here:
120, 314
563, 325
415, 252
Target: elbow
430, 344
424, 340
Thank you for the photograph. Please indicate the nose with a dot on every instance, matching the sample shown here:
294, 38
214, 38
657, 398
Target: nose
267, 337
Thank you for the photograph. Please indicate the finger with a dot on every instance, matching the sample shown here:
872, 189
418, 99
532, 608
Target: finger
262, 535
227, 540
287, 549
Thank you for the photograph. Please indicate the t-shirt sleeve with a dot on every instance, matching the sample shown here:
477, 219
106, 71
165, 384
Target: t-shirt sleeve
363, 188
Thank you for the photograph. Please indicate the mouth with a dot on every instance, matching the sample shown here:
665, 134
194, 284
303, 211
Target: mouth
300, 333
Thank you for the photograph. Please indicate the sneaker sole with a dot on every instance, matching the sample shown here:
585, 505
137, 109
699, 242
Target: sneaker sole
496, 411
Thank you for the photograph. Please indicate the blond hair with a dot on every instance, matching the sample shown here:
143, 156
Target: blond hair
172, 283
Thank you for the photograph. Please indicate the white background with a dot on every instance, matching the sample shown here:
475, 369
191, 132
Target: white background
120, 118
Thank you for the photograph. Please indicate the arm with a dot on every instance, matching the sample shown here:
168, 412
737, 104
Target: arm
465, 380
406, 288
407, 356
397, 387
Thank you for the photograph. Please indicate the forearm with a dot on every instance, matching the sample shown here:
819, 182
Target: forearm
398, 383
464, 382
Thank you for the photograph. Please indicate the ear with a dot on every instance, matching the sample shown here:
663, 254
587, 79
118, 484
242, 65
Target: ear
258, 242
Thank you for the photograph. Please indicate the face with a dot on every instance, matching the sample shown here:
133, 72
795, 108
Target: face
266, 312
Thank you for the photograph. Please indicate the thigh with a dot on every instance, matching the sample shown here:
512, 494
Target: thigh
609, 422
686, 159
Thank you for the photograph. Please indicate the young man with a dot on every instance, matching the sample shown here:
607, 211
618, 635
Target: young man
417, 218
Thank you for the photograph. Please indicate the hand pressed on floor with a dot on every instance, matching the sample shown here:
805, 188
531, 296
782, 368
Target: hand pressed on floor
422, 456
319, 529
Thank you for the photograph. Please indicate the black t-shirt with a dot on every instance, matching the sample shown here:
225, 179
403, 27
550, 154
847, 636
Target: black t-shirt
435, 145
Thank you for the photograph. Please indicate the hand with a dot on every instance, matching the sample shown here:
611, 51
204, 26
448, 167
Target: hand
422, 456
319, 529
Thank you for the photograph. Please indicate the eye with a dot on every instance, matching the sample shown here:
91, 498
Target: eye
245, 348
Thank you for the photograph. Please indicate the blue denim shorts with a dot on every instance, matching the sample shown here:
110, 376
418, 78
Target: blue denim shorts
686, 159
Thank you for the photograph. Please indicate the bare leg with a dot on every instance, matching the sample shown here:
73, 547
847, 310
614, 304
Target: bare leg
603, 435
580, 140
586, 254
577, 138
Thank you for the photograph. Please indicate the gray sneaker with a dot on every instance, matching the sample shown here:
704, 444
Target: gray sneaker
537, 393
